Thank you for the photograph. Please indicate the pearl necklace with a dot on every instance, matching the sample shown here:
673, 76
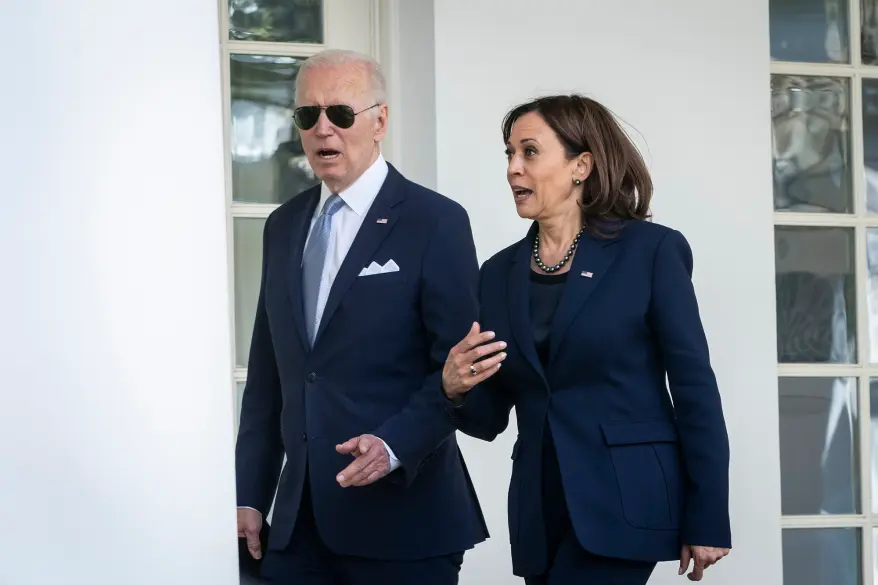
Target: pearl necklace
563, 261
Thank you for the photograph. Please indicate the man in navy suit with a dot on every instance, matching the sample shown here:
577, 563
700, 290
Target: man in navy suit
368, 280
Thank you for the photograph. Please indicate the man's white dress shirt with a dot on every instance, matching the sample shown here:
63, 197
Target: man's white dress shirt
346, 223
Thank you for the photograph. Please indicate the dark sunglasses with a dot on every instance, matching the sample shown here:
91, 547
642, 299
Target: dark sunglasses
340, 115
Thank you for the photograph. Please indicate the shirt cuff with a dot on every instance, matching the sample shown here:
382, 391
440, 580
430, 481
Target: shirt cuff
394, 462
249, 508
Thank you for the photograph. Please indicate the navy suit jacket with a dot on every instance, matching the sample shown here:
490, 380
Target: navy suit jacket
375, 368
641, 475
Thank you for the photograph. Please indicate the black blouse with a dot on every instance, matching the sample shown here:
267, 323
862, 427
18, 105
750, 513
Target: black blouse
545, 292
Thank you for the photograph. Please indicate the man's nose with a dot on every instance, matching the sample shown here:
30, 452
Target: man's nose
323, 127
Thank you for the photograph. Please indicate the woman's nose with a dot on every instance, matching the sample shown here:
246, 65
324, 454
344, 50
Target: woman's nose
514, 167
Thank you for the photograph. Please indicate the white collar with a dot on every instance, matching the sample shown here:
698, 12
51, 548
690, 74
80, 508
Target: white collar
360, 195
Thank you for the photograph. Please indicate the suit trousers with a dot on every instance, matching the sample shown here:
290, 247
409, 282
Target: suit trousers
569, 563
308, 561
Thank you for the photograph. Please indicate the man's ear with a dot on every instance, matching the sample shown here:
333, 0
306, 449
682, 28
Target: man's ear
381, 122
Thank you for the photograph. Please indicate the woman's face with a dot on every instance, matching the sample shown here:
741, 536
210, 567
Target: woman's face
539, 172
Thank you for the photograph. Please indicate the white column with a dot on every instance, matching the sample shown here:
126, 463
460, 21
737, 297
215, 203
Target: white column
116, 422
692, 78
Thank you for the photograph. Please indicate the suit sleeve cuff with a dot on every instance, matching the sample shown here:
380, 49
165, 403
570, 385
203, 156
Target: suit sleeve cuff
394, 461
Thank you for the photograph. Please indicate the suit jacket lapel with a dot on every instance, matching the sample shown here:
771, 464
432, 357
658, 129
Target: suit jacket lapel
593, 259
518, 289
298, 235
368, 238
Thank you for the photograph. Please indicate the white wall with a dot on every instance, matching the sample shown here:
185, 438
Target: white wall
692, 77
406, 55
116, 427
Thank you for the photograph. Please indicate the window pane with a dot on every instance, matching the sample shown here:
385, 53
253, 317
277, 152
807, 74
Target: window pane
809, 30
268, 163
872, 291
248, 274
870, 142
239, 396
869, 31
279, 21
811, 144
873, 434
823, 556
816, 308
818, 446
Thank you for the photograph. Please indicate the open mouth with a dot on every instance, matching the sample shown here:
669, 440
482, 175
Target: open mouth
328, 154
521, 193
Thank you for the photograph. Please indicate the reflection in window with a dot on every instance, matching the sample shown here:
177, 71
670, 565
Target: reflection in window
816, 300
872, 290
279, 21
248, 278
870, 142
822, 556
819, 452
811, 144
268, 162
815, 31
869, 32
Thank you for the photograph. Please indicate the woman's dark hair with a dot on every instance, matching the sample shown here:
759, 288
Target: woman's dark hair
619, 187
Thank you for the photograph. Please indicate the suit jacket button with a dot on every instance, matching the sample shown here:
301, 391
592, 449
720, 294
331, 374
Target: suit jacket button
305, 437
312, 377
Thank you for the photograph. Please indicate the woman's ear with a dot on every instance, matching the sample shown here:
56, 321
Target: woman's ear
584, 166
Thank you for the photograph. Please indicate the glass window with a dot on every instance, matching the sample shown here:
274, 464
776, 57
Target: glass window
819, 451
268, 163
278, 21
814, 31
824, 127
823, 556
811, 144
816, 295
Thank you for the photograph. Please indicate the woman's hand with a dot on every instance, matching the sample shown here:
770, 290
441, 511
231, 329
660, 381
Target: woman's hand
461, 372
703, 557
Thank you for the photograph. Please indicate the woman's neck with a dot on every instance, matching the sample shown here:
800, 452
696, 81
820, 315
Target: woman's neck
558, 233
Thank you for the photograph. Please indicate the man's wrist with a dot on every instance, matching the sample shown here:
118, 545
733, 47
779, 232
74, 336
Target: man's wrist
394, 460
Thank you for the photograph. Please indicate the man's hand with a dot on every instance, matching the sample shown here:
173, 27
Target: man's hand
703, 557
249, 526
371, 461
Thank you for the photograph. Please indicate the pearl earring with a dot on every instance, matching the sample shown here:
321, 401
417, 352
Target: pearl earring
577, 182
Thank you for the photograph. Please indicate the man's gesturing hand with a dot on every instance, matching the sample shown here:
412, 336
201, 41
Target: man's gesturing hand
371, 461
249, 526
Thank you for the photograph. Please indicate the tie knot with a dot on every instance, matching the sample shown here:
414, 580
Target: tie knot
332, 205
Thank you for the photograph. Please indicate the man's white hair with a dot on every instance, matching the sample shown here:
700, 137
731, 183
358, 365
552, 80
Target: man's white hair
336, 57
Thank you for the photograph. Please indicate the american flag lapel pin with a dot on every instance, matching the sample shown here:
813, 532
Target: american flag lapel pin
382, 220
586, 274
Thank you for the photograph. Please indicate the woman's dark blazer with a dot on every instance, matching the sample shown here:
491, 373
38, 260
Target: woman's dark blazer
642, 474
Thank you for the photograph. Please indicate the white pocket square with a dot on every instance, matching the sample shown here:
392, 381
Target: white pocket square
375, 268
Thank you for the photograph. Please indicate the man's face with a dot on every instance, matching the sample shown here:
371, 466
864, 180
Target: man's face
338, 155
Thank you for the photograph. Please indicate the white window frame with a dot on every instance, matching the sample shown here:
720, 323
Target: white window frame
855, 71
353, 24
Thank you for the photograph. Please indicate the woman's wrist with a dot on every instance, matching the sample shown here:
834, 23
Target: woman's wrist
456, 398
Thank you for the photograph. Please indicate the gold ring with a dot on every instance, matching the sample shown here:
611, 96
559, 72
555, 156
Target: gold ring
472, 370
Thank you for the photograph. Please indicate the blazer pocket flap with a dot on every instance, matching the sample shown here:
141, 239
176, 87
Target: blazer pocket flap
633, 433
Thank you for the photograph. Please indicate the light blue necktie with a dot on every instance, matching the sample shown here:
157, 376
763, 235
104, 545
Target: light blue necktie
313, 260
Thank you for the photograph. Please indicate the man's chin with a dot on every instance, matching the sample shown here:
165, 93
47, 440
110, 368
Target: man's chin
324, 172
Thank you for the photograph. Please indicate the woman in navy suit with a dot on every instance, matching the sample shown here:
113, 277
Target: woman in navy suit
587, 315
